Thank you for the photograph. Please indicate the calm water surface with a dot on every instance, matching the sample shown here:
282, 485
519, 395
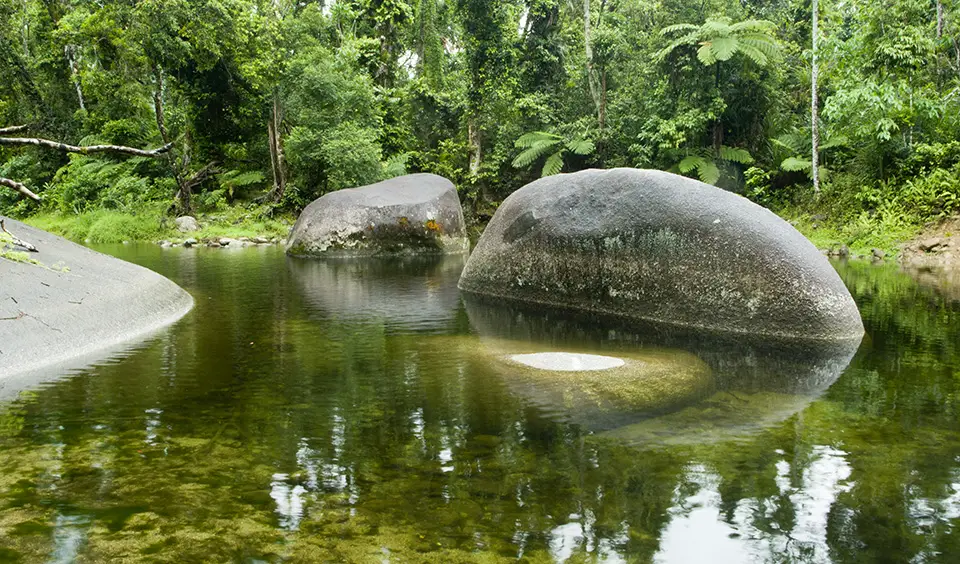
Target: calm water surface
358, 412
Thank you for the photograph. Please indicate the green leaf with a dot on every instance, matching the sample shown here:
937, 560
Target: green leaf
553, 165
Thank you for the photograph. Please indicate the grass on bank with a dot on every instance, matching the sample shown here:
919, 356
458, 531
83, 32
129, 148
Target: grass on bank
152, 224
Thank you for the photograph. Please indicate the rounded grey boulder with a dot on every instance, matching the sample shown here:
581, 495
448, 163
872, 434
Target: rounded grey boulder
67, 305
654, 246
412, 214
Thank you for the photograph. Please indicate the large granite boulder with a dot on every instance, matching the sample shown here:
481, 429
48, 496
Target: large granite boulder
413, 214
649, 245
66, 304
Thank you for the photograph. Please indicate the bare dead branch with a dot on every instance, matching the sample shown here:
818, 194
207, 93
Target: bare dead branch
19, 188
18, 241
85, 150
12, 129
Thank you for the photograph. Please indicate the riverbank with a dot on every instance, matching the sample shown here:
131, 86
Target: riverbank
934, 246
153, 225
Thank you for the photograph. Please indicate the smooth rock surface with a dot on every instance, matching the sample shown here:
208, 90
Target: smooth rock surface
654, 246
186, 224
413, 214
75, 305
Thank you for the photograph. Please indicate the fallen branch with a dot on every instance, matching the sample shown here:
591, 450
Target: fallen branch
12, 129
85, 150
19, 188
18, 241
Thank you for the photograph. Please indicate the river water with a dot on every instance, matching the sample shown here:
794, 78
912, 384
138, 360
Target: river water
360, 412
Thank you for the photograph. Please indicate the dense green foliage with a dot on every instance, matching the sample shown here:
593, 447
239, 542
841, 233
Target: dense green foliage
281, 101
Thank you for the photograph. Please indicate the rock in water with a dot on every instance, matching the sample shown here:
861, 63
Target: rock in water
66, 305
655, 246
413, 214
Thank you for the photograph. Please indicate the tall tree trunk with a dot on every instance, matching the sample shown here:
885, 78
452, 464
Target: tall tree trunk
588, 53
814, 107
473, 140
276, 150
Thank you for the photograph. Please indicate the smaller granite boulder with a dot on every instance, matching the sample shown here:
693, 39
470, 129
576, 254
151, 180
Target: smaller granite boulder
407, 215
186, 224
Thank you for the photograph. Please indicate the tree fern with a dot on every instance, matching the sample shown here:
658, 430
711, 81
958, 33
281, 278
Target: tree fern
539, 144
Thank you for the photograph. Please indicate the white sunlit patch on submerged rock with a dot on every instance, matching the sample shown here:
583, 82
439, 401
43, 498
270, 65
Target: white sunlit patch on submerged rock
567, 362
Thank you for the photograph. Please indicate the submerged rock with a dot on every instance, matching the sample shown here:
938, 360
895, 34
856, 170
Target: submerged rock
649, 245
691, 386
68, 303
413, 214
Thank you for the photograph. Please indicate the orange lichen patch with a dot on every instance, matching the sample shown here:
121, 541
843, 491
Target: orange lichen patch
432, 225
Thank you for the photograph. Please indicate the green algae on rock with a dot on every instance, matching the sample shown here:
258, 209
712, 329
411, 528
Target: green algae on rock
408, 215
652, 246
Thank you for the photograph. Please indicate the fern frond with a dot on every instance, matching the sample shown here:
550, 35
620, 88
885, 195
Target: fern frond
705, 54
553, 165
529, 139
709, 173
581, 146
529, 156
670, 29
735, 155
724, 47
795, 164
762, 26
690, 163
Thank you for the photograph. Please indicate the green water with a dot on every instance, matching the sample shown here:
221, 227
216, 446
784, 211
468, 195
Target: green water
358, 412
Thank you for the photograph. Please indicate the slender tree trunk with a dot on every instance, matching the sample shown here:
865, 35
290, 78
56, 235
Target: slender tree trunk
814, 107
158, 104
473, 140
70, 53
276, 150
940, 18
588, 53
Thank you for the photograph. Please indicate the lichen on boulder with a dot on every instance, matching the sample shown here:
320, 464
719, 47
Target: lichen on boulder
653, 246
408, 215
